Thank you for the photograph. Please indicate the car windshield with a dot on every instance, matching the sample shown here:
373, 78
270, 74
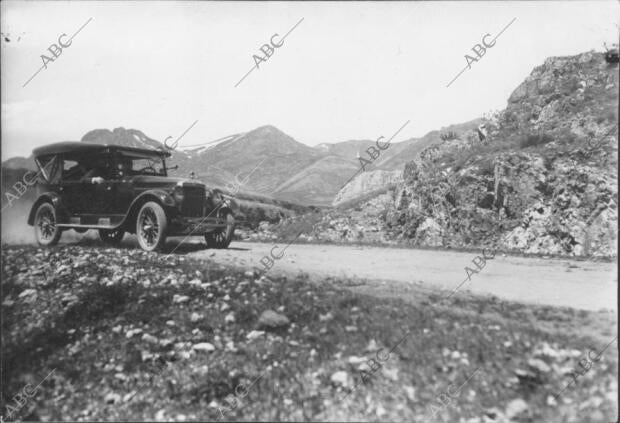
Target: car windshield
133, 164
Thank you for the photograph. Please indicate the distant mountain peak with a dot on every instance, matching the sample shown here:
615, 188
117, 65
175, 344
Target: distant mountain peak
121, 136
267, 130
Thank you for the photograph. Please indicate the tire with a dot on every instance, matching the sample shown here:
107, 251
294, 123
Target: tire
46, 229
151, 227
111, 237
221, 237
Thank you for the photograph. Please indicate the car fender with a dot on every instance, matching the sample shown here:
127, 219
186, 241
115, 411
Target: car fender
46, 197
231, 204
227, 201
161, 197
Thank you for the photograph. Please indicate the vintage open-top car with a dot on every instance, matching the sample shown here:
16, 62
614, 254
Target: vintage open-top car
118, 189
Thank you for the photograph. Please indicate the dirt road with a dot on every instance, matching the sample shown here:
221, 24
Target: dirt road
558, 282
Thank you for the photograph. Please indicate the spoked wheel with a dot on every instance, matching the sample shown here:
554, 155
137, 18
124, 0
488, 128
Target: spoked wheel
151, 227
221, 237
46, 229
111, 236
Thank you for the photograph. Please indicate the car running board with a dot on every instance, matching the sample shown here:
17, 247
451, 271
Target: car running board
73, 225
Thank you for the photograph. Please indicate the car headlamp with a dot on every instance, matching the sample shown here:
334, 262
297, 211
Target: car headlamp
178, 194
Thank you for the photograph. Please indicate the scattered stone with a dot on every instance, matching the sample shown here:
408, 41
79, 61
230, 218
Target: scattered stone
340, 378
230, 318
271, 319
551, 401
150, 339
515, 408
410, 391
255, 334
380, 411
372, 346
539, 365
28, 292
112, 398
354, 360
147, 355
326, 317
179, 299
391, 373
132, 332
166, 342
546, 350
203, 346
194, 317
184, 355
160, 415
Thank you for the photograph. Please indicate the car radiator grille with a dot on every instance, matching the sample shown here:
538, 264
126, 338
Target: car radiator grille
193, 201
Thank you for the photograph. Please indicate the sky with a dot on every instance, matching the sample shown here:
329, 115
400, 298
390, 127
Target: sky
346, 71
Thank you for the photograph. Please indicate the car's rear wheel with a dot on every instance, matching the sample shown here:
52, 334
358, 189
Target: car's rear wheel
221, 237
46, 228
151, 227
111, 236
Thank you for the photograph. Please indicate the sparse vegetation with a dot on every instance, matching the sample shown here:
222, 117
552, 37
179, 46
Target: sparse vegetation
122, 348
532, 140
449, 136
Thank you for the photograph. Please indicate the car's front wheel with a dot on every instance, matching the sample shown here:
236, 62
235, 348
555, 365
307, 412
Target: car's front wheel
46, 228
221, 237
151, 227
111, 236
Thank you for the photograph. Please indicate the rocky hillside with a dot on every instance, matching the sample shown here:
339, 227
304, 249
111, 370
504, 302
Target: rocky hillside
543, 181
367, 183
387, 168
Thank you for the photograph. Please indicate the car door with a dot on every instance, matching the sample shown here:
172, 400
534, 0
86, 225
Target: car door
77, 196
105, 197
105, 202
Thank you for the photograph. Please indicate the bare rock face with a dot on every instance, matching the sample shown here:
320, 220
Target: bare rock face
429, 233
367, 182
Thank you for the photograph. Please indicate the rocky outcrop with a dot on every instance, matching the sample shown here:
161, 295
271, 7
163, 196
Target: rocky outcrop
543, 181
365, 183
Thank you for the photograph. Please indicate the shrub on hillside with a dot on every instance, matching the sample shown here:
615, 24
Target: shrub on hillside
449, 136
531, 140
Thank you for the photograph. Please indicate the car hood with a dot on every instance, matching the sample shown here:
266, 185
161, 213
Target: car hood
152, 181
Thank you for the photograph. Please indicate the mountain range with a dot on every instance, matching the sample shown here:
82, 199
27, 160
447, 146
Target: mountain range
266, 161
